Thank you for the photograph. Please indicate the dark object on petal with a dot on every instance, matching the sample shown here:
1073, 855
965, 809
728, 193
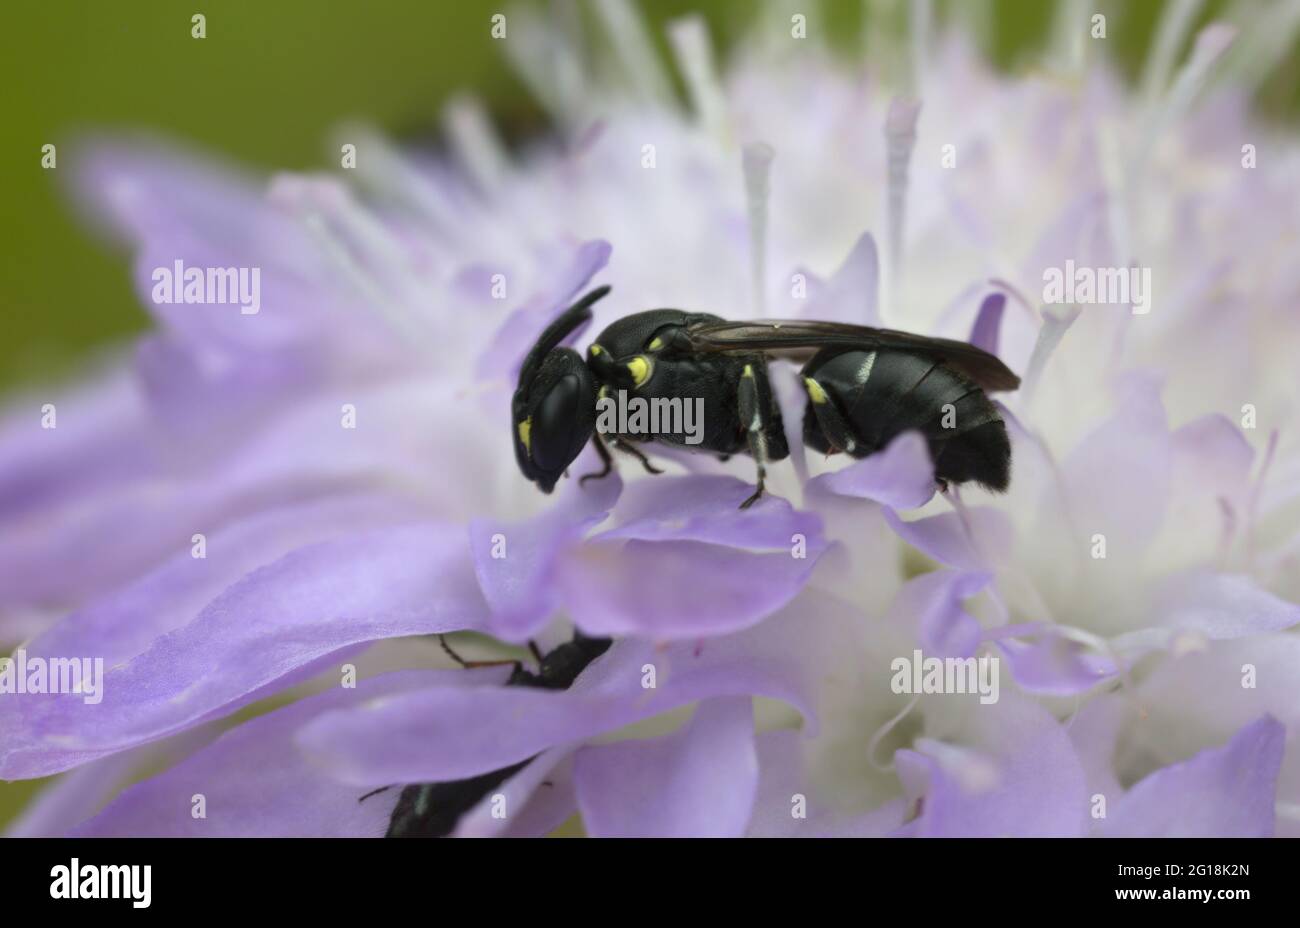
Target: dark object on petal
432, 810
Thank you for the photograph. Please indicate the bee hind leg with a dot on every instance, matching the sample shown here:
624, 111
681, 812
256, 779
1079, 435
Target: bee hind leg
834, 428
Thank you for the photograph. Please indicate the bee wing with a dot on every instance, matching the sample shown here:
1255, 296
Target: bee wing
796, 339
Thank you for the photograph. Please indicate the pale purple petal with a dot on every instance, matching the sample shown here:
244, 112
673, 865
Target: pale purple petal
1051, 663
74, 546
535, 801
142, 189
256, 783
930, 607
729, 567
519, 332
278, 621
1095, 731
1015, 775
1210, 489
984, 333
1222, 606
235, 396
173, 205
1185, 709
78, 794
97, 439
1133, 443
787, 806
851, 295
442, 733
982, 539
1225, 792
516, 563
699, 781
124, 623
703, 590
706, 509
901, 476
1214, 455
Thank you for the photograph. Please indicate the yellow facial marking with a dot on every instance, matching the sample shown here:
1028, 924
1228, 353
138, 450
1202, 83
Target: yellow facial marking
655, 344
639, 368
748, 371
815, 391
594, 349
526, 433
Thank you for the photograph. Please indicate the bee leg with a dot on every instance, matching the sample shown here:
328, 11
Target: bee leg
637, 453
751, 412
837, 432
605, 458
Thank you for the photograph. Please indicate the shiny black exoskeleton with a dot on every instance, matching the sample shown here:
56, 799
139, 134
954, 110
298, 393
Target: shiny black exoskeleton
864, 386
859, 401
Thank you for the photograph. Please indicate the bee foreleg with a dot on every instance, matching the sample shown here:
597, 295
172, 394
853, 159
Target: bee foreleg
637, 453
605, 458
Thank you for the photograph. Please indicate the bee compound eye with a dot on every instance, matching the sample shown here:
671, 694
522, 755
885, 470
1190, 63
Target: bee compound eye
553, 424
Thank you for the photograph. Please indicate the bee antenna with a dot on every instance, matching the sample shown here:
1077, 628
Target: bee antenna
565, 325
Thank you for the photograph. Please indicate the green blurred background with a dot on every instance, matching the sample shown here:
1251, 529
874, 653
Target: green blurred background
270, 81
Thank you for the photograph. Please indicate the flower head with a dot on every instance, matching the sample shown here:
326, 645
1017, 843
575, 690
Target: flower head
258, 505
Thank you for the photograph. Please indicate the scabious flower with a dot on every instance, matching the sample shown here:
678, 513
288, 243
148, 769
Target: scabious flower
261, 506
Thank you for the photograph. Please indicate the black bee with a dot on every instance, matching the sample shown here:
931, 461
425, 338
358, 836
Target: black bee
432, 810
864, 387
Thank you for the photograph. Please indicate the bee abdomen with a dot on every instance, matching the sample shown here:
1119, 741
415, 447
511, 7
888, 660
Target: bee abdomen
880, 394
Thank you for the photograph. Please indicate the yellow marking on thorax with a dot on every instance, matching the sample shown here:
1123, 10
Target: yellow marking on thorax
639, 368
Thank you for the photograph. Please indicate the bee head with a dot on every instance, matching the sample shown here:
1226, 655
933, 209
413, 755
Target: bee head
554, 416
553, 413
